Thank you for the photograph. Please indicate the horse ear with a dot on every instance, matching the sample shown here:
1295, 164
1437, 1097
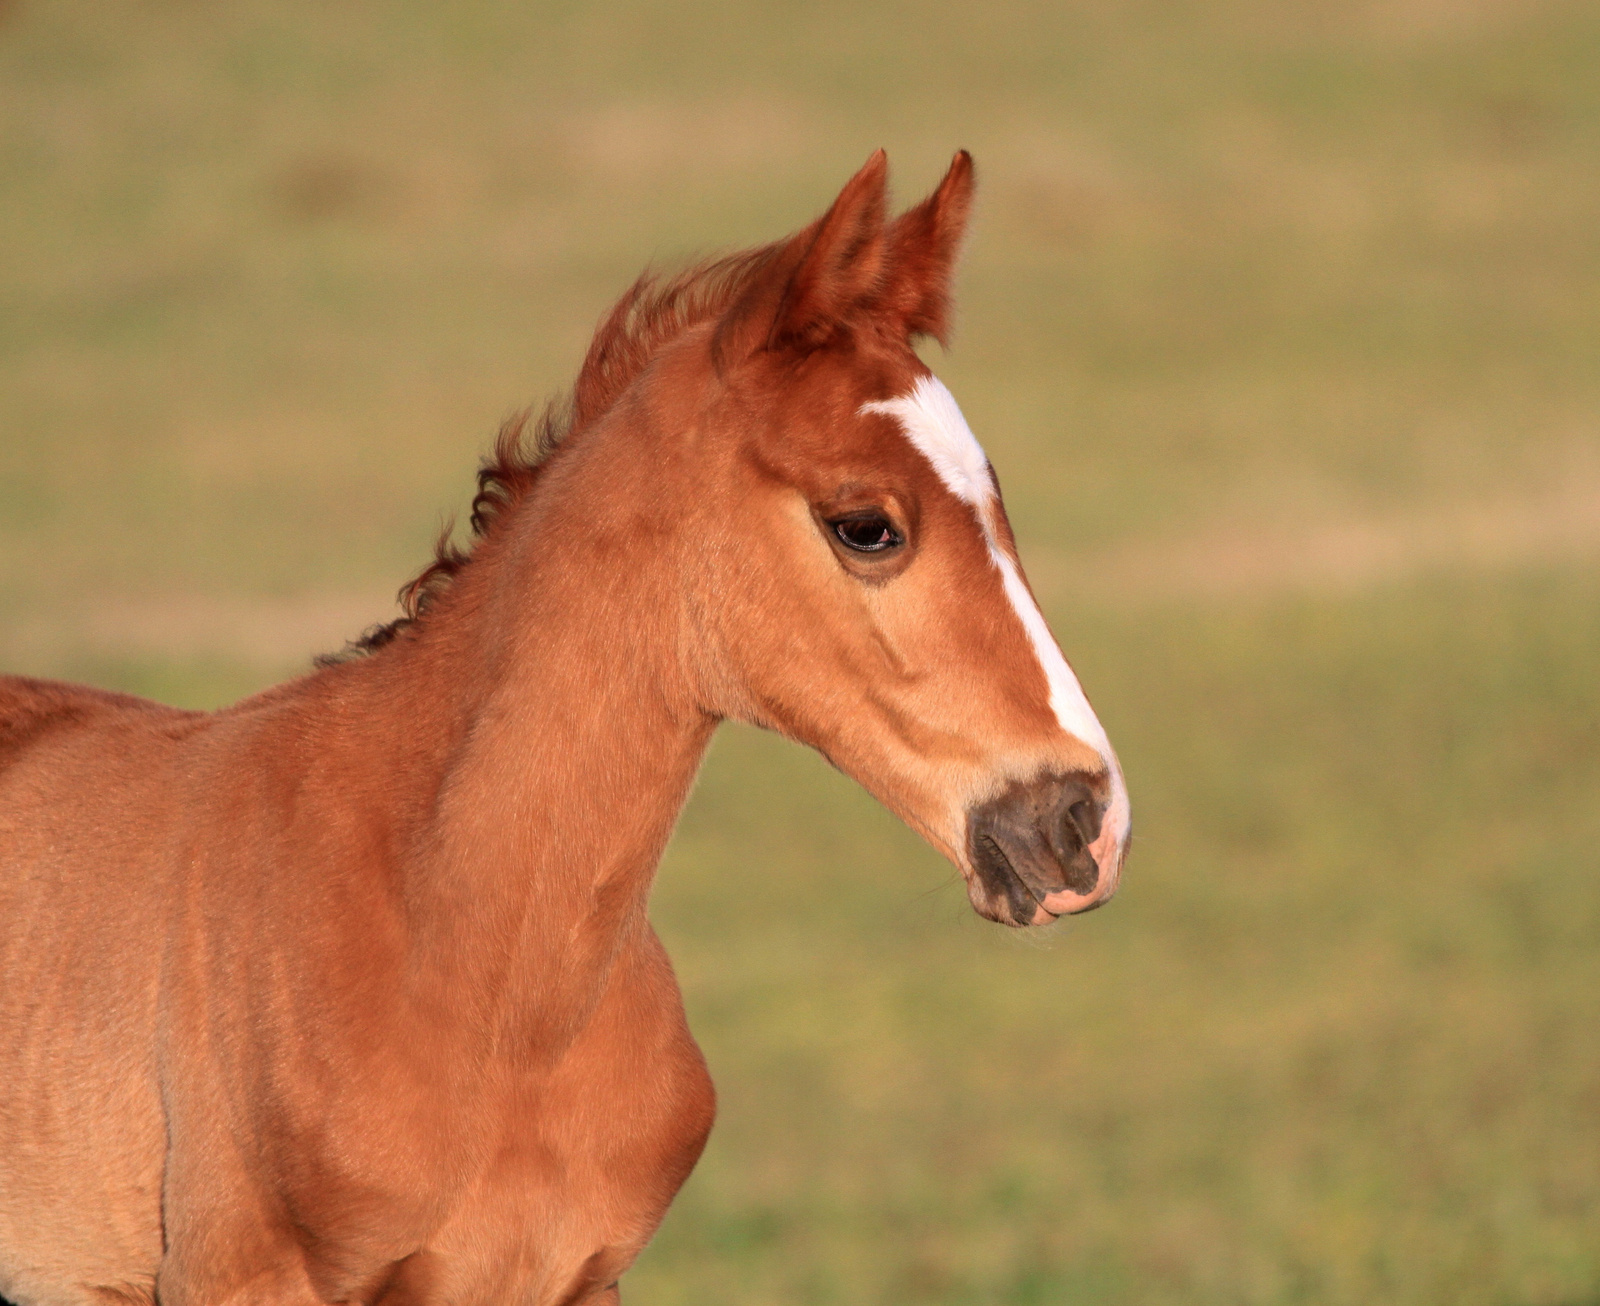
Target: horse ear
816, 277
923, 244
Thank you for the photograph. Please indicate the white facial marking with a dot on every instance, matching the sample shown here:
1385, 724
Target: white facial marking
932, 421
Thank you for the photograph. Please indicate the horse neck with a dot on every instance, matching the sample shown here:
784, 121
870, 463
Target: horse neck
553, 669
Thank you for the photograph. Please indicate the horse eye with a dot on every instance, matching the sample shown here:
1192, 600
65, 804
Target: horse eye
866, 534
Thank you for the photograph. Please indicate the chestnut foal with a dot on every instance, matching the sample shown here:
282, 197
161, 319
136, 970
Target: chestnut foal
347, 993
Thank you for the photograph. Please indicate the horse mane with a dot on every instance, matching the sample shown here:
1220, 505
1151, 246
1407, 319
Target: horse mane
651, 313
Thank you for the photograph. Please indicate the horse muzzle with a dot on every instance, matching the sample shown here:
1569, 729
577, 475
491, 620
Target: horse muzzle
1040, 849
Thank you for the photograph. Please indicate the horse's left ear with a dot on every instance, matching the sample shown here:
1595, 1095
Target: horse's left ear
923, 244
814, 282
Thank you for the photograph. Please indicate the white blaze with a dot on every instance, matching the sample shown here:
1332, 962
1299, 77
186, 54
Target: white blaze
933, 422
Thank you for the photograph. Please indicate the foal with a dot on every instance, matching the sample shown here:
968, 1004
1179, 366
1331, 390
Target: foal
347, 993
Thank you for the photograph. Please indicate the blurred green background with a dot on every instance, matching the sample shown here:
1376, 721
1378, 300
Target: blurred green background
1281, 323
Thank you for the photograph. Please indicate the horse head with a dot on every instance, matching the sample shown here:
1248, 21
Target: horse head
851, 575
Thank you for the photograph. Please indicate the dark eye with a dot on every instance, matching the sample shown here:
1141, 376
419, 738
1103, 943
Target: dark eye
866, 534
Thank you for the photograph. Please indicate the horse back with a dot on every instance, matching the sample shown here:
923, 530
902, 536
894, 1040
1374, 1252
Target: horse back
81, 1134
32, 711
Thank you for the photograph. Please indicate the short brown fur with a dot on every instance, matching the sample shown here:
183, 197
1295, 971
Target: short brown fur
347, 993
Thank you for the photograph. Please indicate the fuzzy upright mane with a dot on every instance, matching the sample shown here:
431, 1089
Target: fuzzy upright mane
650, 315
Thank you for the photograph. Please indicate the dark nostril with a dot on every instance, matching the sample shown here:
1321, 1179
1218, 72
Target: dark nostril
1033, 840
1085, 817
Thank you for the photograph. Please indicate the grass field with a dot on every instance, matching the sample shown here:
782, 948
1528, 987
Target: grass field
1281, 323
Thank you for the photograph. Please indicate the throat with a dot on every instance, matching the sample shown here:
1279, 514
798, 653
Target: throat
571, 746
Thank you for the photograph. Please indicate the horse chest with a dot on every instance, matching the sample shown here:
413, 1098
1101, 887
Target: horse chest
590, 1156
